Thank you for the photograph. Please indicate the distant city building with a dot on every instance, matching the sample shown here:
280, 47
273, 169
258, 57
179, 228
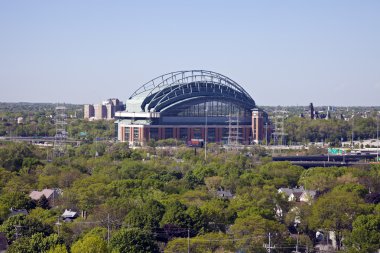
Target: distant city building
322, 113
105, 110
311, 111
112, 105
89, 111
100, 111
110, 110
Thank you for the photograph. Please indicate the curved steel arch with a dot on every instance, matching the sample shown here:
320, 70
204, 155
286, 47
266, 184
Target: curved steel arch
173, 87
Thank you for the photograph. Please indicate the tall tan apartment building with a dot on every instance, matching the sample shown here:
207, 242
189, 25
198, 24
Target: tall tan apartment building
105, 110
100, 111
89, 111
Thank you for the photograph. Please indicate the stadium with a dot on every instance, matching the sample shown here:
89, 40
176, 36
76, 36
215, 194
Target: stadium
193, 106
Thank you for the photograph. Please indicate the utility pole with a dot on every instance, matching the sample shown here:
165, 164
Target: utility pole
269, 245
96, 147
58, 226
188, 240
54, 201
108, 230
297, 243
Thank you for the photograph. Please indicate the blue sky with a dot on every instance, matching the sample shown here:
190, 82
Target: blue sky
281, 52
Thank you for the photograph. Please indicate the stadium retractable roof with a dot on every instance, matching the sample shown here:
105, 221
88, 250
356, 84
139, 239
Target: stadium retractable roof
161, 93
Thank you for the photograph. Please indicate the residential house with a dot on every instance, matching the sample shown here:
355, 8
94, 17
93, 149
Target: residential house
13, 211
298, 194
308, 196
69, 215
224, 194
295, 196
50, 194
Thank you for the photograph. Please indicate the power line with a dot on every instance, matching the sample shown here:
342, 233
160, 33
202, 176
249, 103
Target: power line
269, 247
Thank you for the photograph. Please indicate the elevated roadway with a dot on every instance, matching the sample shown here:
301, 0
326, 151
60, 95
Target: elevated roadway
329, 160
39, 140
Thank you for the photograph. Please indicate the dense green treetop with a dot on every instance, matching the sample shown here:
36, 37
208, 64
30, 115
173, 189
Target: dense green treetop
150, 198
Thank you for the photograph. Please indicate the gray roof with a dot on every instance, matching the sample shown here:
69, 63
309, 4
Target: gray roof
69, 214
297, 192
36, 195
14, 212
286, 191
225, 194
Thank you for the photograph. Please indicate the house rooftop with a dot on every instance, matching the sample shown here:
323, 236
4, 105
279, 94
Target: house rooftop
69, 214
224, 194
36, 195
14, 212
297, 193
289, 191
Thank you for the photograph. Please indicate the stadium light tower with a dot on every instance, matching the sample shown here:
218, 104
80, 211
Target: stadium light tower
352, 130
206, 132
377, 135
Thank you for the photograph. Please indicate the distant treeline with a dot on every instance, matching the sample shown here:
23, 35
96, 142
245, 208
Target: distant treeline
305, 130
38, 120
